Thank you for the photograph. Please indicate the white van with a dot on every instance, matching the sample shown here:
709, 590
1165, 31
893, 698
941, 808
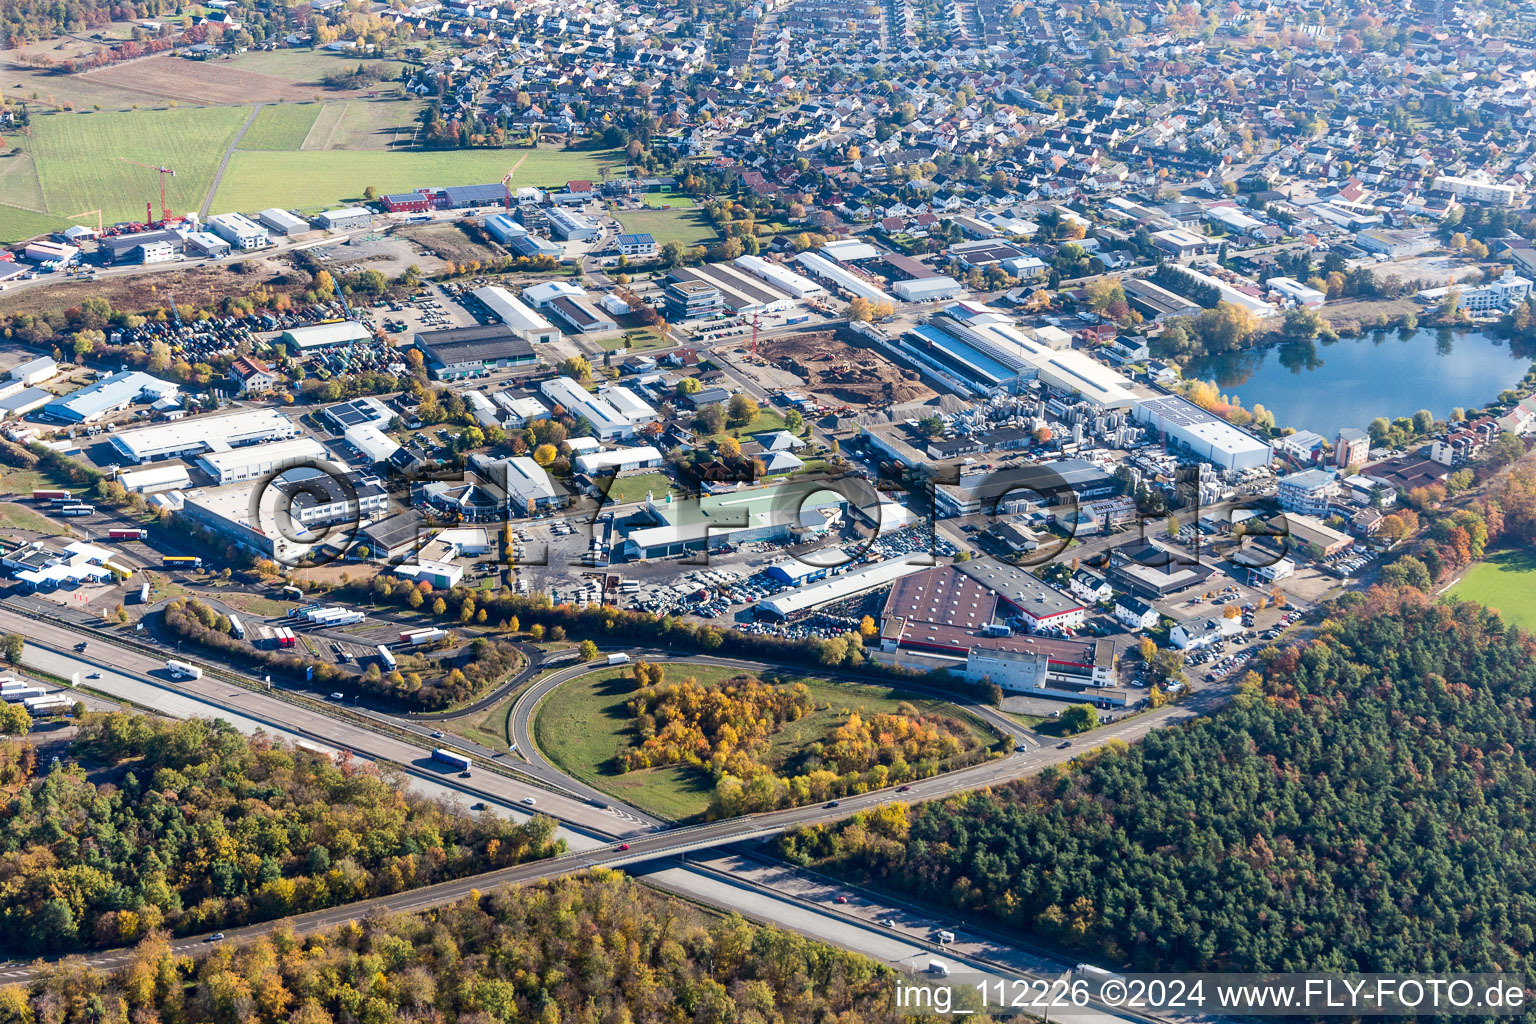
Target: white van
946, 938
938, 967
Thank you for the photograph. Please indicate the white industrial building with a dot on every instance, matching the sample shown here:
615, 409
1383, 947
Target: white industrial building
618, 460
780, 276
987, 350
606, 418
848, 250
35, 371
346, 332
528, 487
516, 315
571, 226
928, 289
281, 222
108, 395
160, 478
203, 434
206, 243
349, 218
1229, 293
375, 445
850, 584
239, 230
1204, 433
252, 462
1293, 291
848, 281
504, 228
519, 412
635, 408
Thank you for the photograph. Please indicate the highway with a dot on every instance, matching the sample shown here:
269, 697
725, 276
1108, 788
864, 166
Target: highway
599, 836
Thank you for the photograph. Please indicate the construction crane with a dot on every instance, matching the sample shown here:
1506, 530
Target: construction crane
163, 171
87, 213
506, 183
175, 312
756, 320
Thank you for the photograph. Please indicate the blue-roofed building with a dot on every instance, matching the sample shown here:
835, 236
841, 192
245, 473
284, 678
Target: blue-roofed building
108, 395
637, 245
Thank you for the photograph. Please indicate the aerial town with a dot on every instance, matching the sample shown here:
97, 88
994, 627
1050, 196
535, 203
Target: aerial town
734, 443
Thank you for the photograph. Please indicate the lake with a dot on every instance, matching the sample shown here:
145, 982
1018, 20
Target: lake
1322, 387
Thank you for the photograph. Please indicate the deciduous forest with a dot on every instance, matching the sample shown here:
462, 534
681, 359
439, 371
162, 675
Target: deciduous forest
190, 826
597, 948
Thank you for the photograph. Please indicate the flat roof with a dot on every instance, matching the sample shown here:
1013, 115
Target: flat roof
480, 343
1022, 589
848, 584
295, 448
193, 432
318, 335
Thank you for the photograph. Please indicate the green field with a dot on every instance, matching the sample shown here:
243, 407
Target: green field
86, 161
281, 126
1504, 581
371, 125
19, 517
635, 488
676, 200
317, 179
686, 226
583, 724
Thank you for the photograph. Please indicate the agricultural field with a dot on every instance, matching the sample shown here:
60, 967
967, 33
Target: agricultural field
1504, 581
584, 724
368, 125
282, 126
90, 161
153, 80
312, 180
678, 225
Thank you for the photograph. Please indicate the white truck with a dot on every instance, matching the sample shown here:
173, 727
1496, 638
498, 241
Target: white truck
181, 670
617, 659
938, 967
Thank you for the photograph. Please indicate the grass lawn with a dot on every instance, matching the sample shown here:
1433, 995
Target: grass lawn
85, 161
254, 604
686, 226
676, 200
314, 179
583, 724
23, 482
634, 488
373, 125
281, 126
765, 421
1504, 581
636, 339
19, 517
490, 726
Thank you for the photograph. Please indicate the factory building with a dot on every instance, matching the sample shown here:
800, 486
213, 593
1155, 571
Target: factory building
664, 529
344, 332
1203, 433
281, 222
203, 434
780, 277
151, 481
252, 462
805, 599
618, 461
239, 230
516, 315
607, 419
841, 277
351, 218
572, 226
108, 395
459, 352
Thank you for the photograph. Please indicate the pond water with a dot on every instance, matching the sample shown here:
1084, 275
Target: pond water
1348, 383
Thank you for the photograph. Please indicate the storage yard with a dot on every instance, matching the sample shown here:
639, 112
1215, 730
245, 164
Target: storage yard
838, 373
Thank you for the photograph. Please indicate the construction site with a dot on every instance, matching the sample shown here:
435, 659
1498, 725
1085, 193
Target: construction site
839, 374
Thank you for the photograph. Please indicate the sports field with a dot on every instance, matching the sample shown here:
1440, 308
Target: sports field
281, 126
1504, 581
315, 179
686, 226
675, 200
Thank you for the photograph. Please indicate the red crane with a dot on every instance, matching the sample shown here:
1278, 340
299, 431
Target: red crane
163, 171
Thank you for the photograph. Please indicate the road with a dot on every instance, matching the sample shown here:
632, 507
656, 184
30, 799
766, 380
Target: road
607, 837
229, 151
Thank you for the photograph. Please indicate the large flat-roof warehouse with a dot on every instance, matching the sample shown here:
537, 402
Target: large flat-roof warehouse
466, 351
204, 434
1207, 435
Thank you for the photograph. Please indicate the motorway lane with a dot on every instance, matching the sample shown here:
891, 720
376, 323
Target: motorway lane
248, 710
712, 886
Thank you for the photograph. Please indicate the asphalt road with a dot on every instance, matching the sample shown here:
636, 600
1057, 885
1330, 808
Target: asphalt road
609, 835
